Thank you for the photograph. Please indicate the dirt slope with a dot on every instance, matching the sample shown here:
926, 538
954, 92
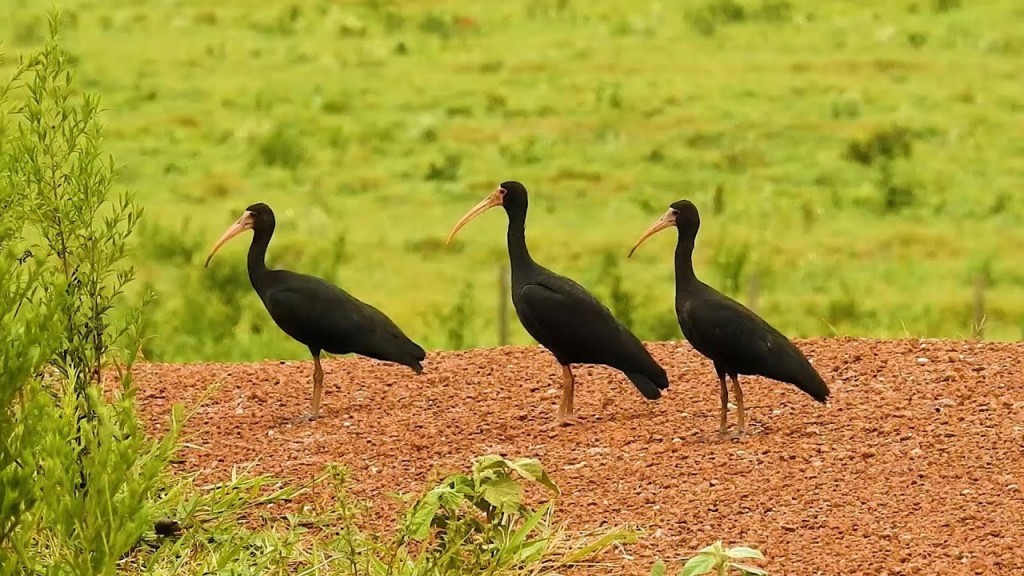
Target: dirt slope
915, 467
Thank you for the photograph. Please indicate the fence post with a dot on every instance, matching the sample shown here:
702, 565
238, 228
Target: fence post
503, 295
979, 307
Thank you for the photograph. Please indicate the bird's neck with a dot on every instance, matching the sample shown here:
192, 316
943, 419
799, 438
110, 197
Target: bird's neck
685, 277
257, 260
519, 255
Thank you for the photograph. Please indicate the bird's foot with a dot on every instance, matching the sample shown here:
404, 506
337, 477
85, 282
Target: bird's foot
734, 436
738, 435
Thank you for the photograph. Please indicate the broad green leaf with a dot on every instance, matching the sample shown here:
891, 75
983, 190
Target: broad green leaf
451, 498
423, 515
699, 564
743, 552
503, 493
488, 462
531, 468
749, 570
658, 569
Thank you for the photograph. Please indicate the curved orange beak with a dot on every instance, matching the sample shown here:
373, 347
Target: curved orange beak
667, 220
241, 225
492, 200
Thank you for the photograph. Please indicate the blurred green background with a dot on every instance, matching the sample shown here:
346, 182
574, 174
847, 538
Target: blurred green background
858, 165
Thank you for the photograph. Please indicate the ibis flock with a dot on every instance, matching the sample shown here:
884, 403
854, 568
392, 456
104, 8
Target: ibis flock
557, 312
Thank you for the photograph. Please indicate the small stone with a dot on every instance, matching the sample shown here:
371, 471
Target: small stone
922, 360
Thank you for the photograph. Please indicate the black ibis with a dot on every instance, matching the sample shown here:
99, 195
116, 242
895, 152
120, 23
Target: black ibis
734, 338
561, 315
320, 315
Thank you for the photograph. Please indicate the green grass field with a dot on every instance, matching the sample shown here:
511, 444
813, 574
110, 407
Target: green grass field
860, 161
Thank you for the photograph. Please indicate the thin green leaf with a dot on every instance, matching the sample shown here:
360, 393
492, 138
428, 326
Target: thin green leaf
521, 534
658, 569
595, 547
531, 552
422, 516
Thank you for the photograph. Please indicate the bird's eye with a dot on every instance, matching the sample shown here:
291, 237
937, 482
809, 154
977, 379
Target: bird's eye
675, 212
501, 191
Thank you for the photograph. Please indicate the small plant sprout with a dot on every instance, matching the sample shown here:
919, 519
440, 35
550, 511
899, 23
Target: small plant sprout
718, 560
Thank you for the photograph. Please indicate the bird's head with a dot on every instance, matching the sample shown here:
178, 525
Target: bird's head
682, 214
257, 217
510, 195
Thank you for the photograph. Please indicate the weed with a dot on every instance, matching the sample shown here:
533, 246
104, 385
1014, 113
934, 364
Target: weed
440, 25
458, 321
180, 245
722, 561
730, 261
282, 146
776, 10
718, 200
620, 300
525, 151
882, 149
842, 309
706, 19
445, 169
882, 145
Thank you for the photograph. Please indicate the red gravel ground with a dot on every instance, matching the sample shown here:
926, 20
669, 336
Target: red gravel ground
915, 467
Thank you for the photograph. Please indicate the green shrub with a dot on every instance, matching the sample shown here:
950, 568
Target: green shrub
76, 469
282, 147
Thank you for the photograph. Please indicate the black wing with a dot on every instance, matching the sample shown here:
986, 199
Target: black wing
577, 328
741, 341
322, 316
